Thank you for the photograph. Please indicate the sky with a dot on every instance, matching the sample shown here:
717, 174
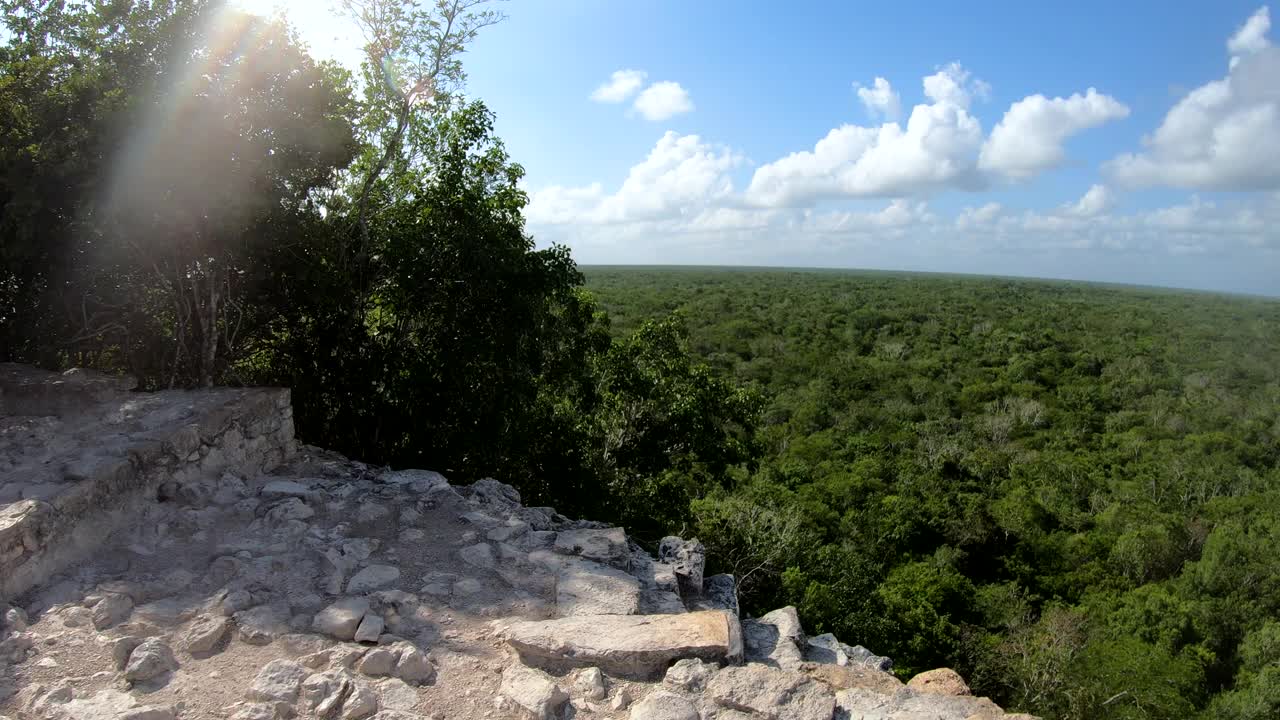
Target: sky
1134, 142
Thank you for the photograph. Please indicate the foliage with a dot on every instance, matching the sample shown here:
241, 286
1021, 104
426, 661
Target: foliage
1064, 491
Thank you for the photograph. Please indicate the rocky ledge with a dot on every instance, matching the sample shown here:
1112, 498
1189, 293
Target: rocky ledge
325, 588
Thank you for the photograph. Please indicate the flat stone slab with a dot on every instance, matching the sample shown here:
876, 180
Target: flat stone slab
628, 646
584, 587
608, 545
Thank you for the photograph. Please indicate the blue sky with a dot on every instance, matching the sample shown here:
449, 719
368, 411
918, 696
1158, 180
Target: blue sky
709, 152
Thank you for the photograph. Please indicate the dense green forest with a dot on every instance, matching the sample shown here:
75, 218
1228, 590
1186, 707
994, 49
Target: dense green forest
1068, 491
1064, 491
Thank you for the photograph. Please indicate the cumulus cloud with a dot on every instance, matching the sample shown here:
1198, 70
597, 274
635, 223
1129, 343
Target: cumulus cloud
1029, 139
681, 177
1097, 200
935, 149
880, 99
663, 100
954, 85
899, 214
1252, 36
621, 86
972, 217
1225, 134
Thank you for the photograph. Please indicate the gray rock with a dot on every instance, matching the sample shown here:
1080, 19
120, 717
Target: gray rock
663, 705
372, 578
397, 695
533, 691
493, 493
771, 693
277, 681
341, 619
370, 629
589, 683
584, 587
110, 705
262, 624
687, 558
827, 649
111, 610
122, 648
719, 592
151, 659
776, 639
628, 646
361, 703
286, 489
205, 634
608, 545
379, 662
690, 674
414, 667
421, 482
479, 555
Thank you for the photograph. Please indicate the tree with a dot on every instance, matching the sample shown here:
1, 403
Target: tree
169, 142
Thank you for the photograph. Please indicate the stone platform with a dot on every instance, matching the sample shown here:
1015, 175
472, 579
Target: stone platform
79, 452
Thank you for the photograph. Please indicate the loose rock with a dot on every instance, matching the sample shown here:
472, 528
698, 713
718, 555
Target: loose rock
533, 691
277, 681
341, 619
151, 659
663, 705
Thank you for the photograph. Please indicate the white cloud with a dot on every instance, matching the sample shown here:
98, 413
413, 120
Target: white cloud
956, 86
663, 100
1097, 200
1029, 139
621, 86
1224, 135
880, 99
899, 214
980, 216
682, 177
935, 149
1252, 36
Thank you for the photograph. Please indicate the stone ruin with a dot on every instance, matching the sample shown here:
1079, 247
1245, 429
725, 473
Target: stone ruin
178, 555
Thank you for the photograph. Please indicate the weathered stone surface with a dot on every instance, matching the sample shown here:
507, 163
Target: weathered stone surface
826, 648
111, 610
379, 662
151, 659
776, 639
398, 695
534, 692
110, 705
608, 545
372, 578
690, 674
262, 624
479, 555
843, 677
584, 587
637, 646
205, 634
719, 592
908, 704
771, 693
370, 629
589, 683
277, 681
492, 493
687, 558
414, 667
342, 618
663, 705
943, 681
